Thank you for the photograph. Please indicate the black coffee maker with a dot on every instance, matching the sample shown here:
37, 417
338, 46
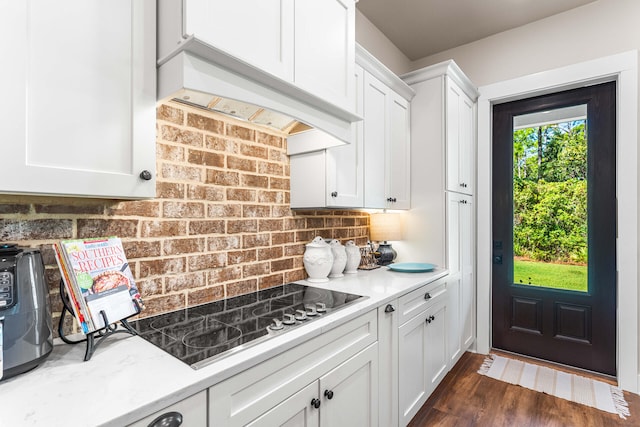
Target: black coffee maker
26, 335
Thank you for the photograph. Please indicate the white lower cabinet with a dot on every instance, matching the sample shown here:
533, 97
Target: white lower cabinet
388, 364
295, 411
461, 283
331, 380
192, 412
346, 396
349, 393
422, 348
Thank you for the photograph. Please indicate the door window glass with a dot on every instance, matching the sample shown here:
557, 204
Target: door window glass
550, 247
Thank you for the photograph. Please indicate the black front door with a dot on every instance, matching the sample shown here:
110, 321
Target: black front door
554, 227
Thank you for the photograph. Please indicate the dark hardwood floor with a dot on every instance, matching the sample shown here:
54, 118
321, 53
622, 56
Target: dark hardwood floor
466, 398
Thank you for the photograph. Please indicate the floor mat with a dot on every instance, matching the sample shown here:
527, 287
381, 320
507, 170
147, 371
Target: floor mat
575, 388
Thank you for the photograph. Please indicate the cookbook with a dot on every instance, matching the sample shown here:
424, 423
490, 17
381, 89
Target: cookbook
98, 280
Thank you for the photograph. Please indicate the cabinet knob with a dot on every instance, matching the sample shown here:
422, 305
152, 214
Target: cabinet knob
427, 296
430, 319
315, 403
464, 202
146, 175
389, 309
463, 185
169, 419
334, 194
391, 199
328, 394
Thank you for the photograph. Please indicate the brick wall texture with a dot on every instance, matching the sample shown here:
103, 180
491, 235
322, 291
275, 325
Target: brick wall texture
220, 225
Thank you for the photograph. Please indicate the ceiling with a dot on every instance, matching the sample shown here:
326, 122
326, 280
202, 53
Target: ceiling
421, 28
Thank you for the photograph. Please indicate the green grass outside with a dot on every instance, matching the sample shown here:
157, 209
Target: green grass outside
557, 276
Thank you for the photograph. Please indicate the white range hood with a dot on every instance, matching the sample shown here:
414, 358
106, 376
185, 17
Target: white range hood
200, 74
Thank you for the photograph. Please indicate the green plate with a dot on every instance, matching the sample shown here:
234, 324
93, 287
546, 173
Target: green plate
412, 267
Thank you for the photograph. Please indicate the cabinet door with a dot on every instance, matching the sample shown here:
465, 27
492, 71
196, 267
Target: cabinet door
461, 286
376, 104
80, 112
436, 337
231, 27
349, 393
454, 313
398, 154
460, 139
467, 274
325, 49
296, 411
192, 410
388, 364
412, 368
422, 358
308, 179
345, 166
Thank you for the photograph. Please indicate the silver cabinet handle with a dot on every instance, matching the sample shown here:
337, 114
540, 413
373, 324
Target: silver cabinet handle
168, 419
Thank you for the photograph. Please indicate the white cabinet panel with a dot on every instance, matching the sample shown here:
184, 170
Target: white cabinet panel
399, 155
247, 396
81, 116
296, 411
231, 26
345, 164
349, 393
461, 283
376, 107
460, 139
325, 49
386, 147
422, 356
308, 180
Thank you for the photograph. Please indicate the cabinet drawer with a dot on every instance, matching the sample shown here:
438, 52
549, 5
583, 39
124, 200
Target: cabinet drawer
192, 410
242, 398
419, 300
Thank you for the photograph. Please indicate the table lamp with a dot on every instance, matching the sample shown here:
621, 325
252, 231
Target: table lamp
384, 227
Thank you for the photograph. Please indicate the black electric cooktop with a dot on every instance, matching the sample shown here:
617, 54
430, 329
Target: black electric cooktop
202, 334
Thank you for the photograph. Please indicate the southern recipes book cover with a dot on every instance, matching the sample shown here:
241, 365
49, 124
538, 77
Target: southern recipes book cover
100, 280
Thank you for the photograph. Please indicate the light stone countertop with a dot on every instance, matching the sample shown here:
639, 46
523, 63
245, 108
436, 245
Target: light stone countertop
129, 378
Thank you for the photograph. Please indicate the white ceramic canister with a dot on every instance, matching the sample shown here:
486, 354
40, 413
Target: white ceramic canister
339, 258
318, 260
353, 257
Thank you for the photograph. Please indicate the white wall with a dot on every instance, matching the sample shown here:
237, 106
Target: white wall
377, 44
592, 31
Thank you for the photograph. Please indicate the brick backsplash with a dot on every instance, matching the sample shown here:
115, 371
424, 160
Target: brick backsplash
219, 227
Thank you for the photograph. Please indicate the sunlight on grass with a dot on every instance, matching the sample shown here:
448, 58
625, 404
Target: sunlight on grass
556, 276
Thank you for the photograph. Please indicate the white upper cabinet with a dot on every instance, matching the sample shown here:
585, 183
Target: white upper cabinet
460, 137
399, 155
387, 143
325, 49
332, 177
307, 44
376, 108
374, 170
81, 91
345, 163
231, 26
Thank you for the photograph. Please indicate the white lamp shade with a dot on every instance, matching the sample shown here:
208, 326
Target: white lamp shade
385, 226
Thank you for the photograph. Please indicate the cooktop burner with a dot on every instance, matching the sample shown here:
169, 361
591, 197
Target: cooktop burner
200, 335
